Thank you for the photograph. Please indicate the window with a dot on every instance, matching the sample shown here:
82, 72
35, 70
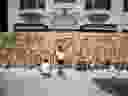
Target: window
97, 4
64, 1
28, 4
42, 4
125, 5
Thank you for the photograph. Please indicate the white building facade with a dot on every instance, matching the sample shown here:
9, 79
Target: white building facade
73, 14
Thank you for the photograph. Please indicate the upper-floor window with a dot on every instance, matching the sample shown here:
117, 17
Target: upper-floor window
29, 4
97, 4
64, 1
125, 4
42, 4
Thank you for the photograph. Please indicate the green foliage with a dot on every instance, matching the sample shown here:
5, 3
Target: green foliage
7, 39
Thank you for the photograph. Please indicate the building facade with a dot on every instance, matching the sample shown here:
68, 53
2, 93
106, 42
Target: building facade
77, 15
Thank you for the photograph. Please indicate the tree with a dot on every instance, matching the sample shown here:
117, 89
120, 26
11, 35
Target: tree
7, 39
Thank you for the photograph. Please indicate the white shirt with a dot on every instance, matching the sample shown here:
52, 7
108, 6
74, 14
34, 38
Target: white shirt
45, 67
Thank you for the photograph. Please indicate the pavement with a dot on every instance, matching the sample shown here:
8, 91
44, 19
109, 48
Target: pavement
30, 84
